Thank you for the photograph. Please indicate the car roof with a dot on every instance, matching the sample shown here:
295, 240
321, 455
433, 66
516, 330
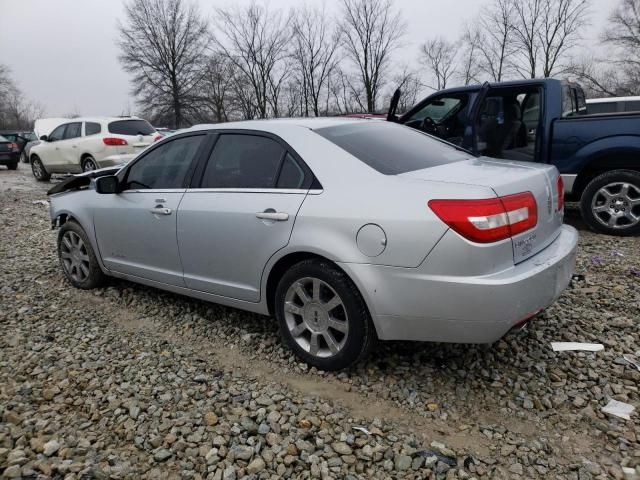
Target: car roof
269, 125
509, 83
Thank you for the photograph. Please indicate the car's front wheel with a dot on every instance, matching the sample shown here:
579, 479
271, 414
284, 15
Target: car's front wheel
77, 258
611, 203
322, 316
23, 157
38, 170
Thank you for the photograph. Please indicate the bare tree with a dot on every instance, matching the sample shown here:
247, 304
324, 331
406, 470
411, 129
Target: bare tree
411, 88
255, 39
495, 41
218, 88
16, 111
439, 56
371, 31
619, 73
163, 45
344, 94
562, 23
527, 28
470, 61
315, 54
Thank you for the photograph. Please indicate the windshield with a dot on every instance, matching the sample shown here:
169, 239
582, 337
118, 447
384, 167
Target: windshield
392, 149
131, 127
438, 109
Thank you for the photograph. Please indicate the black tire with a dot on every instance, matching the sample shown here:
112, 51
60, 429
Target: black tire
38, 170
13, 166
23, 157
89, 163
592, 199
93, 277
361, 335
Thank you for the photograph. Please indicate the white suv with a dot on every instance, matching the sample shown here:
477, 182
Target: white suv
83, 144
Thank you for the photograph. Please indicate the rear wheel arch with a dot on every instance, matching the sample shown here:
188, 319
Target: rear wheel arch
628, 160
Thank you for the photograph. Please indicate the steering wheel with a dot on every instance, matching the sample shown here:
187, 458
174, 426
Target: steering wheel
429, 126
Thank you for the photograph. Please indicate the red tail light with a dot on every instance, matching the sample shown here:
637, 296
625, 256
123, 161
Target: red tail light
158, 137
560, 193
13, 147
489, 220
112, 141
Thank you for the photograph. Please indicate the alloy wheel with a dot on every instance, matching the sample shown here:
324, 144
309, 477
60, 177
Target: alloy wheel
316, 317
89, 165
74, 255
37, 168
617, 205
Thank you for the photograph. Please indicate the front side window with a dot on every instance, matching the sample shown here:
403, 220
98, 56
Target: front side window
57, 134
74, 130
91, 128
165, 166
391, 149
439, 109
131, 127
243, 161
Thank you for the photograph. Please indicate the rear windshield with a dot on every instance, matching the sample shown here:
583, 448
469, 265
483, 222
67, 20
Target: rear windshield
131, 127
2, 139
391, 149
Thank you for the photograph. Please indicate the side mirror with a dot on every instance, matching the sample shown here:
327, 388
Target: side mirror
107, 184
44, 138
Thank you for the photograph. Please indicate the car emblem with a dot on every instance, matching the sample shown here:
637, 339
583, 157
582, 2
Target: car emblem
139, 138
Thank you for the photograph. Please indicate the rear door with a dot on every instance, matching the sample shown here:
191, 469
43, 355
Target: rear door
136, 228
240, 211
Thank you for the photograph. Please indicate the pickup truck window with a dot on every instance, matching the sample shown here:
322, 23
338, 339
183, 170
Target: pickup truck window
569, 108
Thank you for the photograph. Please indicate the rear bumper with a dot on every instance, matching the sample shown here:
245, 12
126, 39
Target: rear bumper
410, 304
7, 158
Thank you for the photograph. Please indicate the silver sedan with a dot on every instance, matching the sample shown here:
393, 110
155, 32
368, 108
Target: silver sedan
346, 231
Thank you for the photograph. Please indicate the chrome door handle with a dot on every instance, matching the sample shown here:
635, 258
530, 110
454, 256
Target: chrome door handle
161, 211
277, 216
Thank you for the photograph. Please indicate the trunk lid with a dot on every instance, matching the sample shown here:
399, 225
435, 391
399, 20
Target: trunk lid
506, 177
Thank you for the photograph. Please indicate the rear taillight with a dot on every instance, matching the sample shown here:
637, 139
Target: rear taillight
488, 220
112, 141
158, 137
13, 147
560, 193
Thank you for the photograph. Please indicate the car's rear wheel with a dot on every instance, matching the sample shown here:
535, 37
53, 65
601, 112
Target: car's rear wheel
77, 258
38, 170
23, 157
322, 316
611, 203
13, 166
88, 164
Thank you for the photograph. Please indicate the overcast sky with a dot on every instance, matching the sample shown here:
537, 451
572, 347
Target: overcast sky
63, 53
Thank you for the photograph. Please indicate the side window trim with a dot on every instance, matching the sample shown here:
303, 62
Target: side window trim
124, 173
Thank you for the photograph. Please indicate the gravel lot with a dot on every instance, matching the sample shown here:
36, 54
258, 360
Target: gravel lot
131, 382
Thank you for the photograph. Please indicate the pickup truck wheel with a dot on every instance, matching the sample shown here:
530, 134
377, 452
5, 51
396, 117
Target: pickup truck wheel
89, 164
77, 258
611, 203
38, 170
322, 316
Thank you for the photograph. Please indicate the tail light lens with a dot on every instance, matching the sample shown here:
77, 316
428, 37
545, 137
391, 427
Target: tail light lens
158, 137
13, 147
489, 220
560, 193
112, 141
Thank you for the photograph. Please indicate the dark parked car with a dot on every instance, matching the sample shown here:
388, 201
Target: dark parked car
9, 153
546, 121
21, 138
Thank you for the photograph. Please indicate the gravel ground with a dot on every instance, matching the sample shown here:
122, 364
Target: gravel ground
131, 382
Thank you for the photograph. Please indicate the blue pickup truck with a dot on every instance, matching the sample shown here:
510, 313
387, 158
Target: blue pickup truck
547, 121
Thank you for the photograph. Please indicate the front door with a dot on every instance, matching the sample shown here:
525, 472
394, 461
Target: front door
241, 214
136, 228
50, 152
69, 154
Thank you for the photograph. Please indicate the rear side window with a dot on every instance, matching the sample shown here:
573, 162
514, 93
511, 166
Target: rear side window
91, 128
165, 166
291, 175
243, 161
131, 127
391, 149
74, 130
